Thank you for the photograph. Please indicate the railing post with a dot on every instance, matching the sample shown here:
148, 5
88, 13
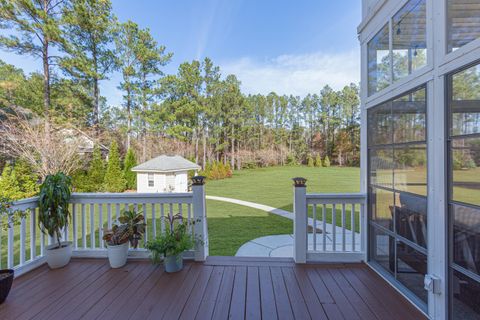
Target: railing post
200, 218
300, 222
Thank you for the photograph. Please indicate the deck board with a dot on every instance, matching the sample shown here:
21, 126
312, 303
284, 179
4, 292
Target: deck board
218, 289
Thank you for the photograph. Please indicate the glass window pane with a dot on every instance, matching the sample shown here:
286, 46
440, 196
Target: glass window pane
382, 207
466, 237
380, 125
466, 170
466, 297
409, 117
409, 39
463, 22
411, 269
381, 167
411, 217
378, 61
383, 249
465, 105
411, 169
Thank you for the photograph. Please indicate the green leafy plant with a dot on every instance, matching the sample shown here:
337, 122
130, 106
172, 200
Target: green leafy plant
173, 242
8, 216
134, 223
53, 207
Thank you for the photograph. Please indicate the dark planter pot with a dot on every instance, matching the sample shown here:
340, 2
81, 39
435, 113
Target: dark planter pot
6, 280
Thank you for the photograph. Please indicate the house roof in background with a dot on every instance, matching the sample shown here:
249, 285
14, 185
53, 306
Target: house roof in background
166, 163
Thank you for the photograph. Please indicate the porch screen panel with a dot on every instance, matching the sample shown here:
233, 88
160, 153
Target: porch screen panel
397, 162
463, 23
464, 192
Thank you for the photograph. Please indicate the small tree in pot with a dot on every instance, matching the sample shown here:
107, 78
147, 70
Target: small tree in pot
54, 215
130, 229
171, 244
8, 219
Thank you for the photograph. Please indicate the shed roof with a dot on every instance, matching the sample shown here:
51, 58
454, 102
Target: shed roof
166, 163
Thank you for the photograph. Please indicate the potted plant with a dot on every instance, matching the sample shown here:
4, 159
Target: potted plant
8, 219
54, 215
171, 244
130, 229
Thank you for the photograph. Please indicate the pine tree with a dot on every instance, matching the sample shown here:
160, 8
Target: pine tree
318, 161
96, 172
9, 186
326, 162
114, 179
129, 163
310, 161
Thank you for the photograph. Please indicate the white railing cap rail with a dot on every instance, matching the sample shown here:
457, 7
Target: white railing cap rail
329, 198
24, 204
133, 197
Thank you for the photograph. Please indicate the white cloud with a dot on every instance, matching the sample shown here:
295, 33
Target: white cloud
296, 74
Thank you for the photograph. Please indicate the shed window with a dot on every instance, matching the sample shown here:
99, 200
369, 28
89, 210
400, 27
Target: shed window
151, 181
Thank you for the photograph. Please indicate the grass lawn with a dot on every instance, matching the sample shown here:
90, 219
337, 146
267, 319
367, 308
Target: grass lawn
273, 186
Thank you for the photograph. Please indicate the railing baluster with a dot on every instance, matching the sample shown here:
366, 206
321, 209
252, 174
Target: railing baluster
74, 226
100, 225
162, 218
10, 248
42, 244
154, 222
314, 227
84, 227
117, 211
33, 234
92, 226
189, 210
362, 230
352, 224
145, 214
171, 210
334, 227
324, 227
22, 241
343, 227
109, 216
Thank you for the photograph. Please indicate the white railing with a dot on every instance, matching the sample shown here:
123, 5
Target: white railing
92, 213
328, 227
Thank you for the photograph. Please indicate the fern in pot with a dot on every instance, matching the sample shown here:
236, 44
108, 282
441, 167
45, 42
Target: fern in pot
130, 229
54, 216
171, 244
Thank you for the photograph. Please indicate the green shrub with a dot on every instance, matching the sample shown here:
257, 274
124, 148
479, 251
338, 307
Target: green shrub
326, 162
114, 179
27, 179
310, 162
129, 163
9, 186
96, 172
216, 170
318, 161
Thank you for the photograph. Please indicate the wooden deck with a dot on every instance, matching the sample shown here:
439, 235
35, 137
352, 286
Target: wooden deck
218, 289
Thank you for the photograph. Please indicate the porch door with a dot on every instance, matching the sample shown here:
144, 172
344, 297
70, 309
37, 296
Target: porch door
397, 186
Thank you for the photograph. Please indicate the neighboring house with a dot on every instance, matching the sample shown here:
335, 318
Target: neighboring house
85, 143
164, 174
420, 93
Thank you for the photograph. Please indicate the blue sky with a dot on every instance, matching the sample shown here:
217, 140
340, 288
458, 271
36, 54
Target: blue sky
291, 47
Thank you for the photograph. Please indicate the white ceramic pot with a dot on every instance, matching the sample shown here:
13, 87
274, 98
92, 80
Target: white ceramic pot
117, 255
58, 257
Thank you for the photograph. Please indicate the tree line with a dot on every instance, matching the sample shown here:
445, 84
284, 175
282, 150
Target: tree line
197, 112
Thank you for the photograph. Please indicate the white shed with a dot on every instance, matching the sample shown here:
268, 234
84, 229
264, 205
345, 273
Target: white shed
164, 174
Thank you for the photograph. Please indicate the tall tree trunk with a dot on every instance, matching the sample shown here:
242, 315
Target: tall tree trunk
232, 156
129, 118
204, 142
46, 85
95, 104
